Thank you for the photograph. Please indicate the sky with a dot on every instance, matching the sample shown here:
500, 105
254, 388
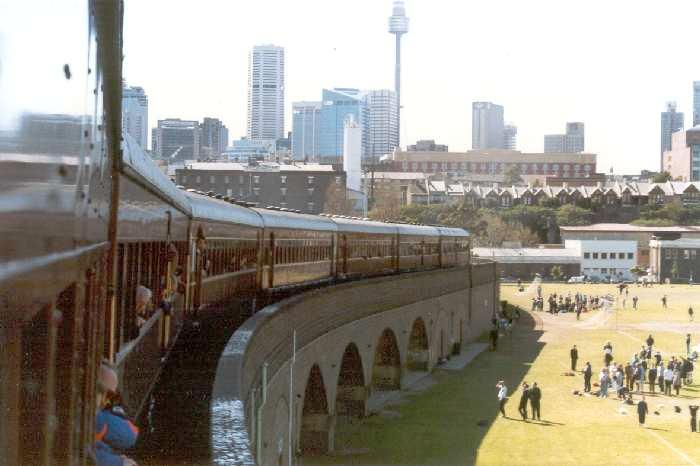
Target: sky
611, 64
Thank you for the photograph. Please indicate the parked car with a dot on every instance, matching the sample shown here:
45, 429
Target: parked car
577, 279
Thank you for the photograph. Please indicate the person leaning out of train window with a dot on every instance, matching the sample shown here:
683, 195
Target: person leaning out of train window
114, 431
143, 301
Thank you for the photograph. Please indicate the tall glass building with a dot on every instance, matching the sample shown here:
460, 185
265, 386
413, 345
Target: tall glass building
266, 93
671, 121
336, 106
383, 122
135, 114
696, 103
306, 130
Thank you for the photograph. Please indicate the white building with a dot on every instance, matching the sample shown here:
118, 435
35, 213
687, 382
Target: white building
135, 114
266, 92
604, 259
383, 122
352, 154
573, 142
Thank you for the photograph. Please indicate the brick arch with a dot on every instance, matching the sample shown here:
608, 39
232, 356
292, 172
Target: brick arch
350, 399
314, 417
418, 354
386, 371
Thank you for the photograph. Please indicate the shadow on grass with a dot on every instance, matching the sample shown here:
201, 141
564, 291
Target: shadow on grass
447, 423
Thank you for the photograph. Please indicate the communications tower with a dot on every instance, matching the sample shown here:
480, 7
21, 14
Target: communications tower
398, 25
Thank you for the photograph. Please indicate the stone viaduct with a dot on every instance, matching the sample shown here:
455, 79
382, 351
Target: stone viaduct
290, 371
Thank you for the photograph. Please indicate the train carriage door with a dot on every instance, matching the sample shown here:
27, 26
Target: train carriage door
330, 256
440, 253
422, 252
271, 261
199, 261
344, 252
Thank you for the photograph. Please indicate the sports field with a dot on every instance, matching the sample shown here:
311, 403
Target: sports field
455, 422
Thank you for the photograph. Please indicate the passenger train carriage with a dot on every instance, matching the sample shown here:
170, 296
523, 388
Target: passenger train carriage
86, 218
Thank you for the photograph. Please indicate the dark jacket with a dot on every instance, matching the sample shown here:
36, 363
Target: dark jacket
535, 395
525, 395
588, 373
574, 353
642, 407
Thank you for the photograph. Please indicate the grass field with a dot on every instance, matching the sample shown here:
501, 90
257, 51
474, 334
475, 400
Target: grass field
439, 425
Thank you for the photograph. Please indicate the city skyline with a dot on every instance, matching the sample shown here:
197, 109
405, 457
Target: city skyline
539, 96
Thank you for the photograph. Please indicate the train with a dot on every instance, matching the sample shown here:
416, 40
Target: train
87, 221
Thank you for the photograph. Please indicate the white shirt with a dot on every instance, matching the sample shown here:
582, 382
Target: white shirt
668, 374
502, 393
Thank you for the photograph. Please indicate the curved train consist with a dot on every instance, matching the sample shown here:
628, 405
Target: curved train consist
86, 218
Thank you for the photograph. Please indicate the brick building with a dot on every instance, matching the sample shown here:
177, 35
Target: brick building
304, 187
676, 260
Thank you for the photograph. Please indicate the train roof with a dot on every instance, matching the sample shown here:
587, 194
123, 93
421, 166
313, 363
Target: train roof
448, 231
140, 166
418, 230
208, 208
291, 220
351, 225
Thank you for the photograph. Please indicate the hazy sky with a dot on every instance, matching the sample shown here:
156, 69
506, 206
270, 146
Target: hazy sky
609, 63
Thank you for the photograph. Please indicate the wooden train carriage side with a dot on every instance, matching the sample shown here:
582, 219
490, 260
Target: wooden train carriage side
454, 246
57, 143
296, 248
151, 248
419, 247
365, 247
225, 241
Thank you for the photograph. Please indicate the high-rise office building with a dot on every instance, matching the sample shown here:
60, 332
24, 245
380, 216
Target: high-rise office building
306, 130
487, 125
176, 140
671, 121
213, 137
383, 122
572, 142
336, 106
510, 137
696, 103
266, 93
135, 114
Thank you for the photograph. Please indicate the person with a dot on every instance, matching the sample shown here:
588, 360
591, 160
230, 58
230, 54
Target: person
642, 410
524, 396
660, 375
629, 376
502, 397
114, 432
638, 377
687, 344
634, 302
574, 357
664, 302
604, 381
607, 357
650, 341
587, 374
690, 313
143, 299
535, 397
652, 378
693, 417
668, 380
493, 336
677, 380
579, 307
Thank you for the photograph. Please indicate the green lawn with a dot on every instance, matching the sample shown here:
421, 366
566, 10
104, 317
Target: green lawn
439, 426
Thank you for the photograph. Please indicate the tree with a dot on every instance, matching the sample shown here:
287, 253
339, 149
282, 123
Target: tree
511, 175
571, 215
556, 272
674, 269
662, 177
387, 206
638, 270
337, 201
492, 231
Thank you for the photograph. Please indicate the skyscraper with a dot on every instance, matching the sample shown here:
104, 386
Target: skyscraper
135, 114
487, 126
383, 122
306, 130
696, 103
337, 105
176, 140
510, 136
266, 92
671, 121
572, 142
398, 25
213, 137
